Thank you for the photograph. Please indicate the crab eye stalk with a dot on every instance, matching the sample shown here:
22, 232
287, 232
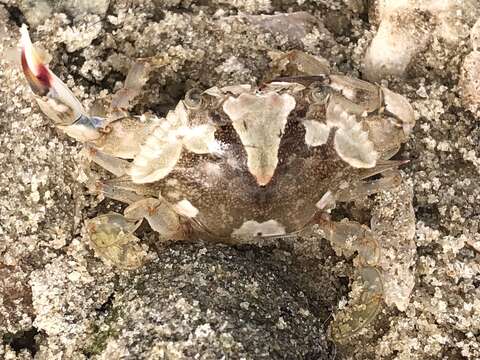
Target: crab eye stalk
53, 96
193, 99
319, 93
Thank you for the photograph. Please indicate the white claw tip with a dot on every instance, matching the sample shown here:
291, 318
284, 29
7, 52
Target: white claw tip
32, 58
25, 37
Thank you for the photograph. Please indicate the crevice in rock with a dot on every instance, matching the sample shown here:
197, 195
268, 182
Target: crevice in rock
15, 14
22, 340
107, 305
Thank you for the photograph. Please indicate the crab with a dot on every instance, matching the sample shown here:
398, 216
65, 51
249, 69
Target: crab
243, 163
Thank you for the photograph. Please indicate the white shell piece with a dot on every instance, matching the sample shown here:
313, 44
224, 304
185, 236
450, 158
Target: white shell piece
353, 145
351, 141
399, 106
199, 139
260, 121
185, 208
160, 152
316, 132
253, 228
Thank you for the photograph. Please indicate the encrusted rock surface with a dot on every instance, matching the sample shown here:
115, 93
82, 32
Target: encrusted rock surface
56, 297
210, 302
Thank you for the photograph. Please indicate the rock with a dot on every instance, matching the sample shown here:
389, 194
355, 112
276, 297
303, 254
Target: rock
405, 28
294, 26
470, 75
475, 36
470, 81
210, 303
37, 11
399, 38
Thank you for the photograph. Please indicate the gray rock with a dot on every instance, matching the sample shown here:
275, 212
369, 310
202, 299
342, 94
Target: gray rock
213, 302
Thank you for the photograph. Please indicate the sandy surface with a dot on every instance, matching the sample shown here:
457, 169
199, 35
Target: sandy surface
51, 284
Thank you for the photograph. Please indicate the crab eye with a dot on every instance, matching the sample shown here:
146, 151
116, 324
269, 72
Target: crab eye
318, 93
194, 99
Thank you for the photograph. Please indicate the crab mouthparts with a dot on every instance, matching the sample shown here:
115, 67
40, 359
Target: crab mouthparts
37, 74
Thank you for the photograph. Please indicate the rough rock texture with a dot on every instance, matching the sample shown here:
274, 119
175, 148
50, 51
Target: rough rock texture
212, 302
470, 80
406, 27
55, 296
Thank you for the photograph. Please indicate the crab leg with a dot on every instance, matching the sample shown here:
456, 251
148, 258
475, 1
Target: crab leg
366, 188
367, 294
159, 214
112, 164
136, 78
348, 237
363, 305
112, 191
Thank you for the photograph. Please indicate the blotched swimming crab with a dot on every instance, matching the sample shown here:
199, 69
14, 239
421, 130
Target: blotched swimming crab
243, 163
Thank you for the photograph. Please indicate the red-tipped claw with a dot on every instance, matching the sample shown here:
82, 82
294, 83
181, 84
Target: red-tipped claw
53, 96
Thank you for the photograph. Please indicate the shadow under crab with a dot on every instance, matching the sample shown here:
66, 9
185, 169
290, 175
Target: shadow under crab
246, 164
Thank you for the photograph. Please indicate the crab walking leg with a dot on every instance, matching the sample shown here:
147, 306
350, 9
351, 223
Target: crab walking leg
367, 291
364, 304
160, 215
158, 212
363, 189
348, 237
136, 78
113, 188
112, 191
112, 164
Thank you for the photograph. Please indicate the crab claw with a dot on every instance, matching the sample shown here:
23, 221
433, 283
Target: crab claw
53, 96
